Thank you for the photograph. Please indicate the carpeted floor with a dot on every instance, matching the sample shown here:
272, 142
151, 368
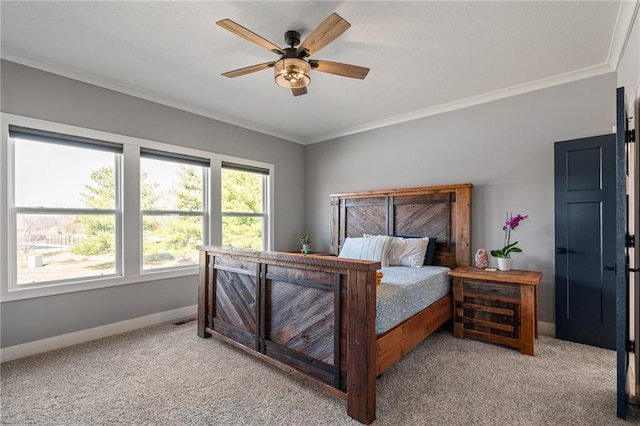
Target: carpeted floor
166, 375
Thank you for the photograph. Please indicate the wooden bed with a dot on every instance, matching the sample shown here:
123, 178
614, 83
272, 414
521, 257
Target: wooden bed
314, 316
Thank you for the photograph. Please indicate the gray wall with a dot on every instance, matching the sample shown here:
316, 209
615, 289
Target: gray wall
629, 66
33, 93
505, 148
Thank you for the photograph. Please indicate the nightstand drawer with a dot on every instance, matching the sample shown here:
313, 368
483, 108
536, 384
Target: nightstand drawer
490, 290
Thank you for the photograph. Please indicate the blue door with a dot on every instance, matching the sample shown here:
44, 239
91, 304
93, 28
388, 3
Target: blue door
585, 237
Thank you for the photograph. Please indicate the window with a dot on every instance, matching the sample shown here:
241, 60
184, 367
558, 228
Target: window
82, 209
244, 219
66, 203
172, 202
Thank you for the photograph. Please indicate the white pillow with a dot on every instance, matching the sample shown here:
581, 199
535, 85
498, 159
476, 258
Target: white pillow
408, 251
352, 248
376, 247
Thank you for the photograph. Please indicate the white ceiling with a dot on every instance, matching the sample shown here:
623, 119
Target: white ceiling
425, 57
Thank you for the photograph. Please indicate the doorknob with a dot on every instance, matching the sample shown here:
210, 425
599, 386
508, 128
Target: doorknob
563, 250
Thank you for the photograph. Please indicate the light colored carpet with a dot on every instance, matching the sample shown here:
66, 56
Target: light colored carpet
166, 375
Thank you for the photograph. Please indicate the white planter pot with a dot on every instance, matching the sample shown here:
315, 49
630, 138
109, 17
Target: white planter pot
504, 263
306, 249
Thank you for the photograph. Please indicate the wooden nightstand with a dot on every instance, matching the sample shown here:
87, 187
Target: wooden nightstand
498, 307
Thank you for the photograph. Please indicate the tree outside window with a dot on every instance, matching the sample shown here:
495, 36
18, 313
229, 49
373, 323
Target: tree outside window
243, 209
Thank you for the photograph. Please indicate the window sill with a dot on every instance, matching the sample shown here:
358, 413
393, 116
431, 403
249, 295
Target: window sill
93, 284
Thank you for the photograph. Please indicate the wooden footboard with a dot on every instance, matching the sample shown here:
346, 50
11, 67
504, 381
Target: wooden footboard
313, 316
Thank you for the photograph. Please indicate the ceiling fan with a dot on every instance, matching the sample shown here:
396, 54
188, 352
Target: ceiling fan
293, 69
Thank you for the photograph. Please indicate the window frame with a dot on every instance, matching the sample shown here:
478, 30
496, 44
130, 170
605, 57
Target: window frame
129, 214
89, 144
204, 213
265, 200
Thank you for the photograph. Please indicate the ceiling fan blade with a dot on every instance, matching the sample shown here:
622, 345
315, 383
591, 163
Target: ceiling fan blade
300, 91
249, 35
337, 68
324, 34
248, 70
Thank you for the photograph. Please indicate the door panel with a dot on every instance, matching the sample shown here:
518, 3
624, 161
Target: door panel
582, 232
585, 240
584, 169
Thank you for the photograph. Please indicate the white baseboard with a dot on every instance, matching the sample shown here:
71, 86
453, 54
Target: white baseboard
547, 328
32, 348
26, 349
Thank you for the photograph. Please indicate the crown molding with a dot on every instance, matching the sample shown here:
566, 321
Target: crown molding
440, 109
627, 15
471, 101
106, 83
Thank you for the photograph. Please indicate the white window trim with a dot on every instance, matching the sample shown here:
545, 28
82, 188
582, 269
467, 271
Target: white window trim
131, 253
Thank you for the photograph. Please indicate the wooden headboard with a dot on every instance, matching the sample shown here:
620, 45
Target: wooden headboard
443, 212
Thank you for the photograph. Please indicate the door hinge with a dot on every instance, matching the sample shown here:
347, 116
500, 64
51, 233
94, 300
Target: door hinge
631, 135
631, 346
630, 241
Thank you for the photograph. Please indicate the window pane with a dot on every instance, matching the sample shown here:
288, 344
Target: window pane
170, 240
242, 232
242, 191
52, 175
167, 185
60, 247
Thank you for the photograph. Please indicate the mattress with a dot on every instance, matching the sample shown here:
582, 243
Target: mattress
405, 291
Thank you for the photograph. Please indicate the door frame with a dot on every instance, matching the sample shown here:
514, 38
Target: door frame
622, 259
634, 202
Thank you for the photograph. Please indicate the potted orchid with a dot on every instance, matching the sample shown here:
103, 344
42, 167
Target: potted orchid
504, 254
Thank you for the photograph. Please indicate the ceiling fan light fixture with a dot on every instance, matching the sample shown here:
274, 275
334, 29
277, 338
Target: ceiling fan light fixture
292, 73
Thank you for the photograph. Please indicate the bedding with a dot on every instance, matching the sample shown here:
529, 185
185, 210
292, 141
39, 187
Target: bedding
405, 291
430, 256
352, 248
367, 247
376, 248
408, 251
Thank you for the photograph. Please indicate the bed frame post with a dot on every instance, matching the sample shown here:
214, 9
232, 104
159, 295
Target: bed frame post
463, 226
337, 224
361, 353
204, 272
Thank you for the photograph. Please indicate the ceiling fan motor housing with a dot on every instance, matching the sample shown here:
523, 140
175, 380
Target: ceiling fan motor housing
292, 38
